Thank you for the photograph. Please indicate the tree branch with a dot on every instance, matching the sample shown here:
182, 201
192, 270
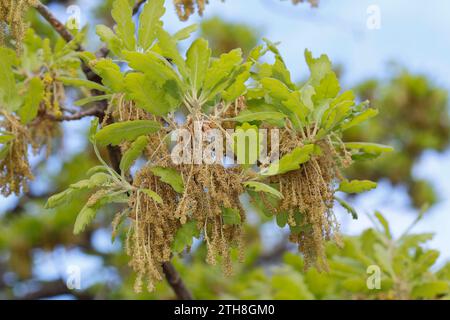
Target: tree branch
175, 281
56, 24
172, 276
55, 288
94, 111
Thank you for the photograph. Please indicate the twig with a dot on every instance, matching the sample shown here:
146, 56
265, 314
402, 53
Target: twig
94, 111
172, 276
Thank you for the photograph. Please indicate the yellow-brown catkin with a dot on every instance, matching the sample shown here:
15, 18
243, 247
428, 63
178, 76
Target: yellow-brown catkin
125, 110
209, 189
42, 131
185, 8
54, 95
313, 3
12, 22
14, 168
153, 228
308, 200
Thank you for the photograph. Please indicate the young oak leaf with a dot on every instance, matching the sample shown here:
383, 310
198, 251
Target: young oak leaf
197, 61
130, 156
34, 95
149, 22
153, 195
356, 186
169, 176
291, 161
184, 236
262, 187
116, 133
231, 216
122, 13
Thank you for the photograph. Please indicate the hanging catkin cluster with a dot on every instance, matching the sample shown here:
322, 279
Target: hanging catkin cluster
153, 229
208, 190
14, 168
313, 3
308, 196
185, 8
12, 20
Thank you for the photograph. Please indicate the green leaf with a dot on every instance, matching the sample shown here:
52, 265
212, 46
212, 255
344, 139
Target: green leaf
328, 88
34, 95
168, 46
113, 42
197, 61
110, 73
93, 129
282, 219
184, 236
150, 22
384, 223
155, 67
133, 153
245, 141
122, 13
430, 290
238, 87
383, 258
89, 211
372, 150
356, 186
148, 95
96, 180
262, 187
319, 67
59, 199
85, 217
307, 92
281, 72
6, 137
248, 116
169, 176
96, 169
82, 83
185, 32
295, 105
276, 88
363, 116
4, 150
9, 96
347, 207
256, 199
218, 74
119, 132
339, 109
291, 161
300, 225
153, 195
231, 216
90, 99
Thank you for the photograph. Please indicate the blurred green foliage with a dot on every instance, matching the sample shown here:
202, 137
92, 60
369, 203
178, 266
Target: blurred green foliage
225, 36
413, 117
407, 270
